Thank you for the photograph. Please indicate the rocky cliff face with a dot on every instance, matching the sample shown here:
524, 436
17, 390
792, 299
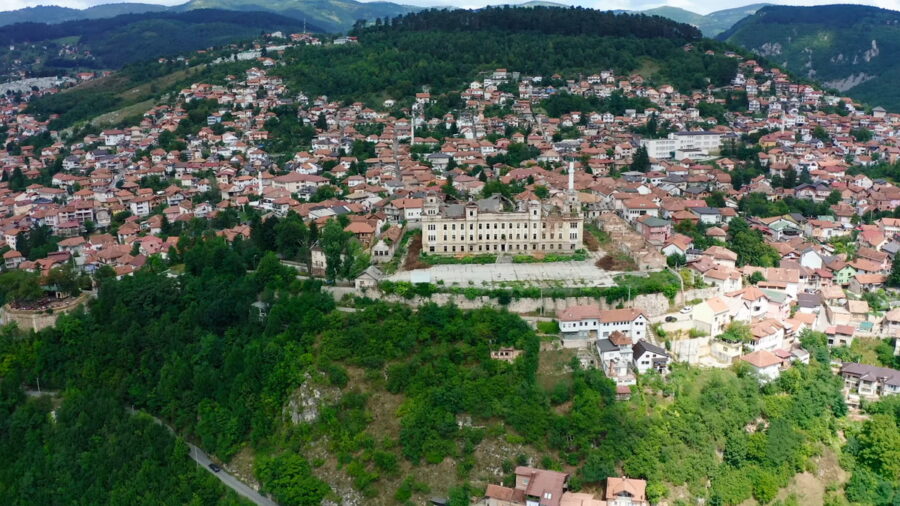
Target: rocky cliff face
851, 49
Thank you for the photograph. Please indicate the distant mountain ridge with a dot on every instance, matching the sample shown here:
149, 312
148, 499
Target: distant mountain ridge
130, 38
854, 49
340, 15
328, 15
711, 24
54, 14
331, 15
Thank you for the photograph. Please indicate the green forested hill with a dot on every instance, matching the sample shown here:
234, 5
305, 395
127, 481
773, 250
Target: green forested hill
443, 50
391, 386
852, 48
130, 38
56, 14
446, 49
331, 15
89, 450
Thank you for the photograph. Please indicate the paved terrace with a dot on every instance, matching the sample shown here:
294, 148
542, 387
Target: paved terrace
570, 274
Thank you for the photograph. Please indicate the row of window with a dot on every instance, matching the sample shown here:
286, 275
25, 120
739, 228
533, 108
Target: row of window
482, 237
495, 247
585, 323
503, 226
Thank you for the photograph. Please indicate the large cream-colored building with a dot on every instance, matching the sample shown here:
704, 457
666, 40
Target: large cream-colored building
497, 225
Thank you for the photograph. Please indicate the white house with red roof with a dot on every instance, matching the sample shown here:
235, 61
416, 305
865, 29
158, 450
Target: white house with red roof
591, 321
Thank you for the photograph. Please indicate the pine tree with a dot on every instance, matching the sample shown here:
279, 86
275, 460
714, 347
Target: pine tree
894, 279
641, 160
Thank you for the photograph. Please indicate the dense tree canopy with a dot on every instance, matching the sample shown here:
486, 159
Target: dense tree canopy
91, 451
193, 351
396, 60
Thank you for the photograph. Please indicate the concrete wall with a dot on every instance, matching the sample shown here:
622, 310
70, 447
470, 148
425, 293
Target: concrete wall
691, 350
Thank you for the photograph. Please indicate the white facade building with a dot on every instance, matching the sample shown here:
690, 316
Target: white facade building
591, 321
706, 142
497, 225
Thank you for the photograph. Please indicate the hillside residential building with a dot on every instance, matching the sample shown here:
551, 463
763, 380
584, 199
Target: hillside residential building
626, 492
590, 321
765, 364
534, 487
712, 316
616, 354
539, 487
496, 225
649, 357
869, 382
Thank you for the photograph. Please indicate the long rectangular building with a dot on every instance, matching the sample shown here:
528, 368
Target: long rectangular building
497, 225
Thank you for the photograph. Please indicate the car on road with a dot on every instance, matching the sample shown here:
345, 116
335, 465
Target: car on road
671, 318
214, 468
686, 309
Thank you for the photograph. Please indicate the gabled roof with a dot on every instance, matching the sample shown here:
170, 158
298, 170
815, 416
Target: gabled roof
761, 359
871, 372
644, 346
634, 488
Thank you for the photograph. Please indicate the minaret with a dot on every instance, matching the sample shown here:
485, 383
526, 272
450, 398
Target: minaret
572, 205
259, 178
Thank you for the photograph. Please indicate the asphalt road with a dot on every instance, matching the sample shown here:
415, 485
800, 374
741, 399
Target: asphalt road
200, 457
197, 455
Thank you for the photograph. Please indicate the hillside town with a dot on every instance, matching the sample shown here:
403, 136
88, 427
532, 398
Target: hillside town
770, 202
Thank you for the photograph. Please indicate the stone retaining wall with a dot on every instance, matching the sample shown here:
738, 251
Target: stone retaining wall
39, 319
654, 304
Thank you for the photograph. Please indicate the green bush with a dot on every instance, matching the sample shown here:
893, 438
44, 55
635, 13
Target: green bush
551, 327
452, 260
697, 333
578, 256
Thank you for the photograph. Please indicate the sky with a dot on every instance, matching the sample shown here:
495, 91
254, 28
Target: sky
700, 6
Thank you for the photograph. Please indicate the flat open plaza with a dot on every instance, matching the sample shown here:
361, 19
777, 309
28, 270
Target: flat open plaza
552, 274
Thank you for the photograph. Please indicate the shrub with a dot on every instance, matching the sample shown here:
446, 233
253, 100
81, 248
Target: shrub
697, 333
551, 327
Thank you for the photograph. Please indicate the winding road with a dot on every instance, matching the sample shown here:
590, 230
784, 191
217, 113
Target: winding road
197, 455
200, 457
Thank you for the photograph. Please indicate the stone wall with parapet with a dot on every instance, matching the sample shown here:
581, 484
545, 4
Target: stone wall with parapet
37, 319
654, 304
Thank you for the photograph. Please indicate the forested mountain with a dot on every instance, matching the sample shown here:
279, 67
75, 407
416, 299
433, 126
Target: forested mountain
710, 24
56, 14
544, 20
852, 48
128, 38
339, 15
331, 15
388, 387
325, 15
89, 450
446, 49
